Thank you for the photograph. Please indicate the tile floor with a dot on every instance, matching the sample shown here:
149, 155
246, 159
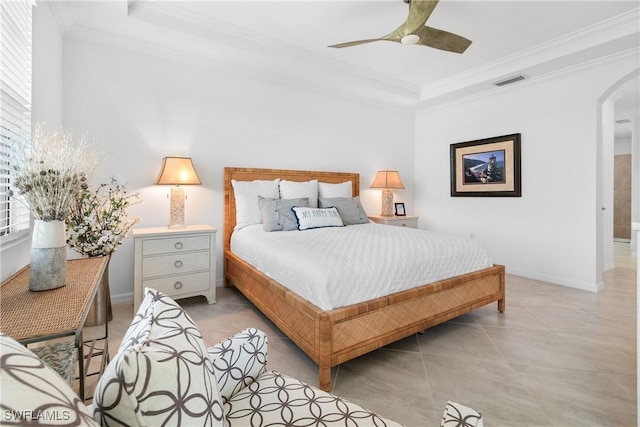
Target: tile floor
556, 357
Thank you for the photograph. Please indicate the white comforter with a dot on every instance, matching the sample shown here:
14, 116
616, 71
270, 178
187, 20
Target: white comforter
339, 266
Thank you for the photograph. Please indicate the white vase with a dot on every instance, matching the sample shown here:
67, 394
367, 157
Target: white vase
48, 268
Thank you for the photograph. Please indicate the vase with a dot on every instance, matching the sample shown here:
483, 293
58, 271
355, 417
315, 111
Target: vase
100, 311
48, 268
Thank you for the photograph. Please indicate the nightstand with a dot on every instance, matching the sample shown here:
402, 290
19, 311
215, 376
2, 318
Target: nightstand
179, 262
400, 221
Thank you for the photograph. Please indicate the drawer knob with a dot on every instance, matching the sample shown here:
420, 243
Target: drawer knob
177, 285
178, 245
178, 263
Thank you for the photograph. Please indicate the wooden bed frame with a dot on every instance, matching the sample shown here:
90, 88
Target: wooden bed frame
336, 336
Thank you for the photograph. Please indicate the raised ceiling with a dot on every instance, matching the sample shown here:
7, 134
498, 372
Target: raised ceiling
287, 41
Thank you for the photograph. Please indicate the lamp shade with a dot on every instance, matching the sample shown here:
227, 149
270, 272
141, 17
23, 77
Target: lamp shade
178, 171
387, 179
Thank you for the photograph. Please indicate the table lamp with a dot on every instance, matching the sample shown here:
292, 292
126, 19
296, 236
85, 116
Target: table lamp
177, 171
387, 180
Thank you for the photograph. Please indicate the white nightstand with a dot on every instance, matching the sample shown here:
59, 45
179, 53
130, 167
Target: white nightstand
400, 221
179, 262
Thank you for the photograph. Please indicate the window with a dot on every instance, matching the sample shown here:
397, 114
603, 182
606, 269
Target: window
15, 108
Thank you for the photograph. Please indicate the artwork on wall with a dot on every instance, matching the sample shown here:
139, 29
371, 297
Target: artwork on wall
486, 167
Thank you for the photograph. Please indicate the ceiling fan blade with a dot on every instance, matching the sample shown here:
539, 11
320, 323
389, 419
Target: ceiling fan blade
354, 43
443, 40
393, 37
419, 12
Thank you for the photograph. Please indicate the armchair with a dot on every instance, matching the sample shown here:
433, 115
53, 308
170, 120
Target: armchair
162, 374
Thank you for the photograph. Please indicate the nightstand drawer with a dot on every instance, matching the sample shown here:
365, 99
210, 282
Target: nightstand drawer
175, 285
175, 244
398, 221
413, 223
175, 264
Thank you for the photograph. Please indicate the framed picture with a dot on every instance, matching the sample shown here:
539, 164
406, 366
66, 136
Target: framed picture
486, 167
400, 209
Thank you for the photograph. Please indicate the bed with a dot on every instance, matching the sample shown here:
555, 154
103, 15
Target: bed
333, 336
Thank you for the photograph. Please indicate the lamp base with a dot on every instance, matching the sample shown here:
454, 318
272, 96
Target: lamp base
387, 203
176, 213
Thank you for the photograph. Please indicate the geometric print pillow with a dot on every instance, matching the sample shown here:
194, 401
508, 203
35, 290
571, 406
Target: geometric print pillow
239, 360
457, 415
279, 400
34, 394
161, 374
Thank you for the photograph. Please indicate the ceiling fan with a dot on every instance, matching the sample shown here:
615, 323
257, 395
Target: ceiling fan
414, 31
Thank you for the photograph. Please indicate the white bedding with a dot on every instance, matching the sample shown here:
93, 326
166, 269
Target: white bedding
338, 266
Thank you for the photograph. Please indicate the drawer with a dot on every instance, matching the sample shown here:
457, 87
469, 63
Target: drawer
175, 285
175, 264
412, 223
175, 244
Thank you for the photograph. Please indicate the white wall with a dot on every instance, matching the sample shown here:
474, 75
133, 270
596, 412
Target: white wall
46, 107
550, 232
141, 108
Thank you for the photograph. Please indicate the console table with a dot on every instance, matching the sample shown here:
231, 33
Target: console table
30, 317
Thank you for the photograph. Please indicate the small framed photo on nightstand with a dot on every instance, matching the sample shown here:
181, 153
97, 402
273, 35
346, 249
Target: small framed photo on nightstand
400, 209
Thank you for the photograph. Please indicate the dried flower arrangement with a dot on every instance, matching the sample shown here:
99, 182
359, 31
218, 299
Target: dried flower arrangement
97, 222
50, 170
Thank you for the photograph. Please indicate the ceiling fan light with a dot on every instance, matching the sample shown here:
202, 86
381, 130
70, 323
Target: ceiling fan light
410, 39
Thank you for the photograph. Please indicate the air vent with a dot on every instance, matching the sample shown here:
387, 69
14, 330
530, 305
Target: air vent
623, 121
510, 80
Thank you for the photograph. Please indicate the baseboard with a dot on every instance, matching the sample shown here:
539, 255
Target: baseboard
589, 287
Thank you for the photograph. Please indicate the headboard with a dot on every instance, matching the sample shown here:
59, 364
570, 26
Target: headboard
250, 174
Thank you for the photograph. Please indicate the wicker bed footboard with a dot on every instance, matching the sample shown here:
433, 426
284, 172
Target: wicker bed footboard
333, 337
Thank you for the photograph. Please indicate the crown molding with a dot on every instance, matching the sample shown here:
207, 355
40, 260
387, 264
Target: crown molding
632, 56
60, 14
345, 89
171, 15
592, 36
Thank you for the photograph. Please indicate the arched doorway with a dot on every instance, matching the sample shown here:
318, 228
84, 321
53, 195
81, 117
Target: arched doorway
604, 171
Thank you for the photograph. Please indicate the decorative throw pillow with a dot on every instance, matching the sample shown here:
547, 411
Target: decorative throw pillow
349, 208
317, 217
295, 189
246, 196
162, 374
277, 214
33, 394
456, 415
328, 190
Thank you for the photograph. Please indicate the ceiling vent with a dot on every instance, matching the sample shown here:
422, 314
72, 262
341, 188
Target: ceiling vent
623, 121
510, 80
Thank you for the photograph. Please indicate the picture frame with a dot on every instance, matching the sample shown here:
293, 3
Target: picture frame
400, 211
487, 167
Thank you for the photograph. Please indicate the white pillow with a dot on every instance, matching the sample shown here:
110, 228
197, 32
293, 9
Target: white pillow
295, 190
327, 190
246, 195
317, 217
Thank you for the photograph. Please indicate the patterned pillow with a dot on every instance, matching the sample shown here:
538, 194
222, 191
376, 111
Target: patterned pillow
161, 374
279, 400
457, 415
239, 360
33, 394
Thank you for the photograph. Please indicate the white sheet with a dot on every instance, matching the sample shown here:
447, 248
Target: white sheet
338, 266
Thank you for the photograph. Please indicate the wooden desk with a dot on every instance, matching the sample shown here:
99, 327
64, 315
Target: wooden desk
29, 316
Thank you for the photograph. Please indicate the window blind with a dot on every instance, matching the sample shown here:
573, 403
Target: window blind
15, 108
